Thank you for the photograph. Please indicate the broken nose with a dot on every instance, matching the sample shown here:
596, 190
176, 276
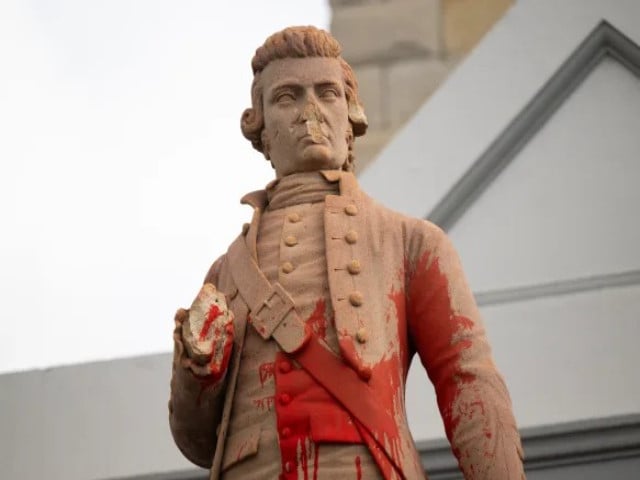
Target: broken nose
314, 130
311, 113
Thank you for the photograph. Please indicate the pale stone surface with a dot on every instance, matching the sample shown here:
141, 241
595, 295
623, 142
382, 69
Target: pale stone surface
410, 84
386, 31
370, 87
464, 22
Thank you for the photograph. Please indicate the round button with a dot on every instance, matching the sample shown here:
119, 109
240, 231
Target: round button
285, 367
356, 299
285, 399
293, 217
288, 467
287, 267
290, 240
362, 335
354, 267
365, 373
286, 432
351, 237
351, 210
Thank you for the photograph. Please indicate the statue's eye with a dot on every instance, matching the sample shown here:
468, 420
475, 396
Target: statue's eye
329, 93
284, 97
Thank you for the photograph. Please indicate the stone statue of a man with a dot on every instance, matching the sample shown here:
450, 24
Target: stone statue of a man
292, 361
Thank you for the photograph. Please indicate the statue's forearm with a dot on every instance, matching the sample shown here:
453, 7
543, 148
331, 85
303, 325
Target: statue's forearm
200, 364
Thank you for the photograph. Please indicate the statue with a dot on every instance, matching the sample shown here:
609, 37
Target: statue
291, 363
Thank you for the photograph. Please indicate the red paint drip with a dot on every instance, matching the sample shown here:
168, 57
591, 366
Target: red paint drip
358, 468
214, 312
316, 456
303, 457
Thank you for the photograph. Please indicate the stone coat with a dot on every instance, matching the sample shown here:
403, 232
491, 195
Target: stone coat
409, 296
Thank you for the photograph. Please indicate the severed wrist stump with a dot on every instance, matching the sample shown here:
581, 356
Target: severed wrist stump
208, 332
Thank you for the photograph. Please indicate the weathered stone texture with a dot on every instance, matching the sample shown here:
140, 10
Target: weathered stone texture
464, 22
369, 88
410, 84
389, 30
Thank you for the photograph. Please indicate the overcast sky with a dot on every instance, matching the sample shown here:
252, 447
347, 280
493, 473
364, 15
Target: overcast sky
122, 165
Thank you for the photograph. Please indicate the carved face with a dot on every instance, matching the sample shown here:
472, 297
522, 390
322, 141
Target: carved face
306, 121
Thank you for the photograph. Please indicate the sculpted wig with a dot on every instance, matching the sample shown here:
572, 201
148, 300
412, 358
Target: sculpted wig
301, 42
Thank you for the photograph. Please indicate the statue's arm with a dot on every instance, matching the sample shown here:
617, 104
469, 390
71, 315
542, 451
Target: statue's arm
448, 334
202, 350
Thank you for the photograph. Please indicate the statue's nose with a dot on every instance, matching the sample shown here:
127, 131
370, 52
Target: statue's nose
312, 113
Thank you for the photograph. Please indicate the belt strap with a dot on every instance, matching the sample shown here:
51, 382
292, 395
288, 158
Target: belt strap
273, 315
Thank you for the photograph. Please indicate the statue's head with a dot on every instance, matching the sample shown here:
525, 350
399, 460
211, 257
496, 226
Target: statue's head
305, 108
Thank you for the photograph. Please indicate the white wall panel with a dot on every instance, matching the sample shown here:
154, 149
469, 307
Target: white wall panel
564, 358
485, 92
567, 205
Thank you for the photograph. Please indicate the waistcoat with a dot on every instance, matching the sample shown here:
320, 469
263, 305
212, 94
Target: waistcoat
297, 430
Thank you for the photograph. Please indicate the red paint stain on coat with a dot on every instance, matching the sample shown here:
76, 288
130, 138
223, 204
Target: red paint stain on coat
265, 371
317, 320
265, 403
303, 458
316, 458
214, 312
443, 338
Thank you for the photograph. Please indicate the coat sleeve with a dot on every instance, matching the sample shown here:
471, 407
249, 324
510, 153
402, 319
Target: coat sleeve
196, 399
448, 334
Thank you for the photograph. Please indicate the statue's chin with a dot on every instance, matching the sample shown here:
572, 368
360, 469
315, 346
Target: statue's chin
318, 157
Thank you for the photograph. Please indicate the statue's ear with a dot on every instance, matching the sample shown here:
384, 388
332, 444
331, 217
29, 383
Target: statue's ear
357, 118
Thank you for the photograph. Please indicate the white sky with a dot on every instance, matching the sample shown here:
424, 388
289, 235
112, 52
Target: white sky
122, 165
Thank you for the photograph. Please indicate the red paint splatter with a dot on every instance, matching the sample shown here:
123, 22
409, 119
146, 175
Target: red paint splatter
214, 312
358, 468
265, 371
351, 357
399, 300
218, 364
265, 403
438, 335
317, 320
310, 417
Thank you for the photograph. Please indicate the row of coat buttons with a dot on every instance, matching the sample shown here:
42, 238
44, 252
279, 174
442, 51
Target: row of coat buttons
285, 399
353, 267
291, 240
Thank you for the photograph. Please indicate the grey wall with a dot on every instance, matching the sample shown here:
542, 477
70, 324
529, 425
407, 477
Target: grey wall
91, 421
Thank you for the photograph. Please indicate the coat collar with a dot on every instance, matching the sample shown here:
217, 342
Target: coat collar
348, 187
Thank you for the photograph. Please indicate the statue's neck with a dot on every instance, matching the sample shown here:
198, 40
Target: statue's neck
297, 188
